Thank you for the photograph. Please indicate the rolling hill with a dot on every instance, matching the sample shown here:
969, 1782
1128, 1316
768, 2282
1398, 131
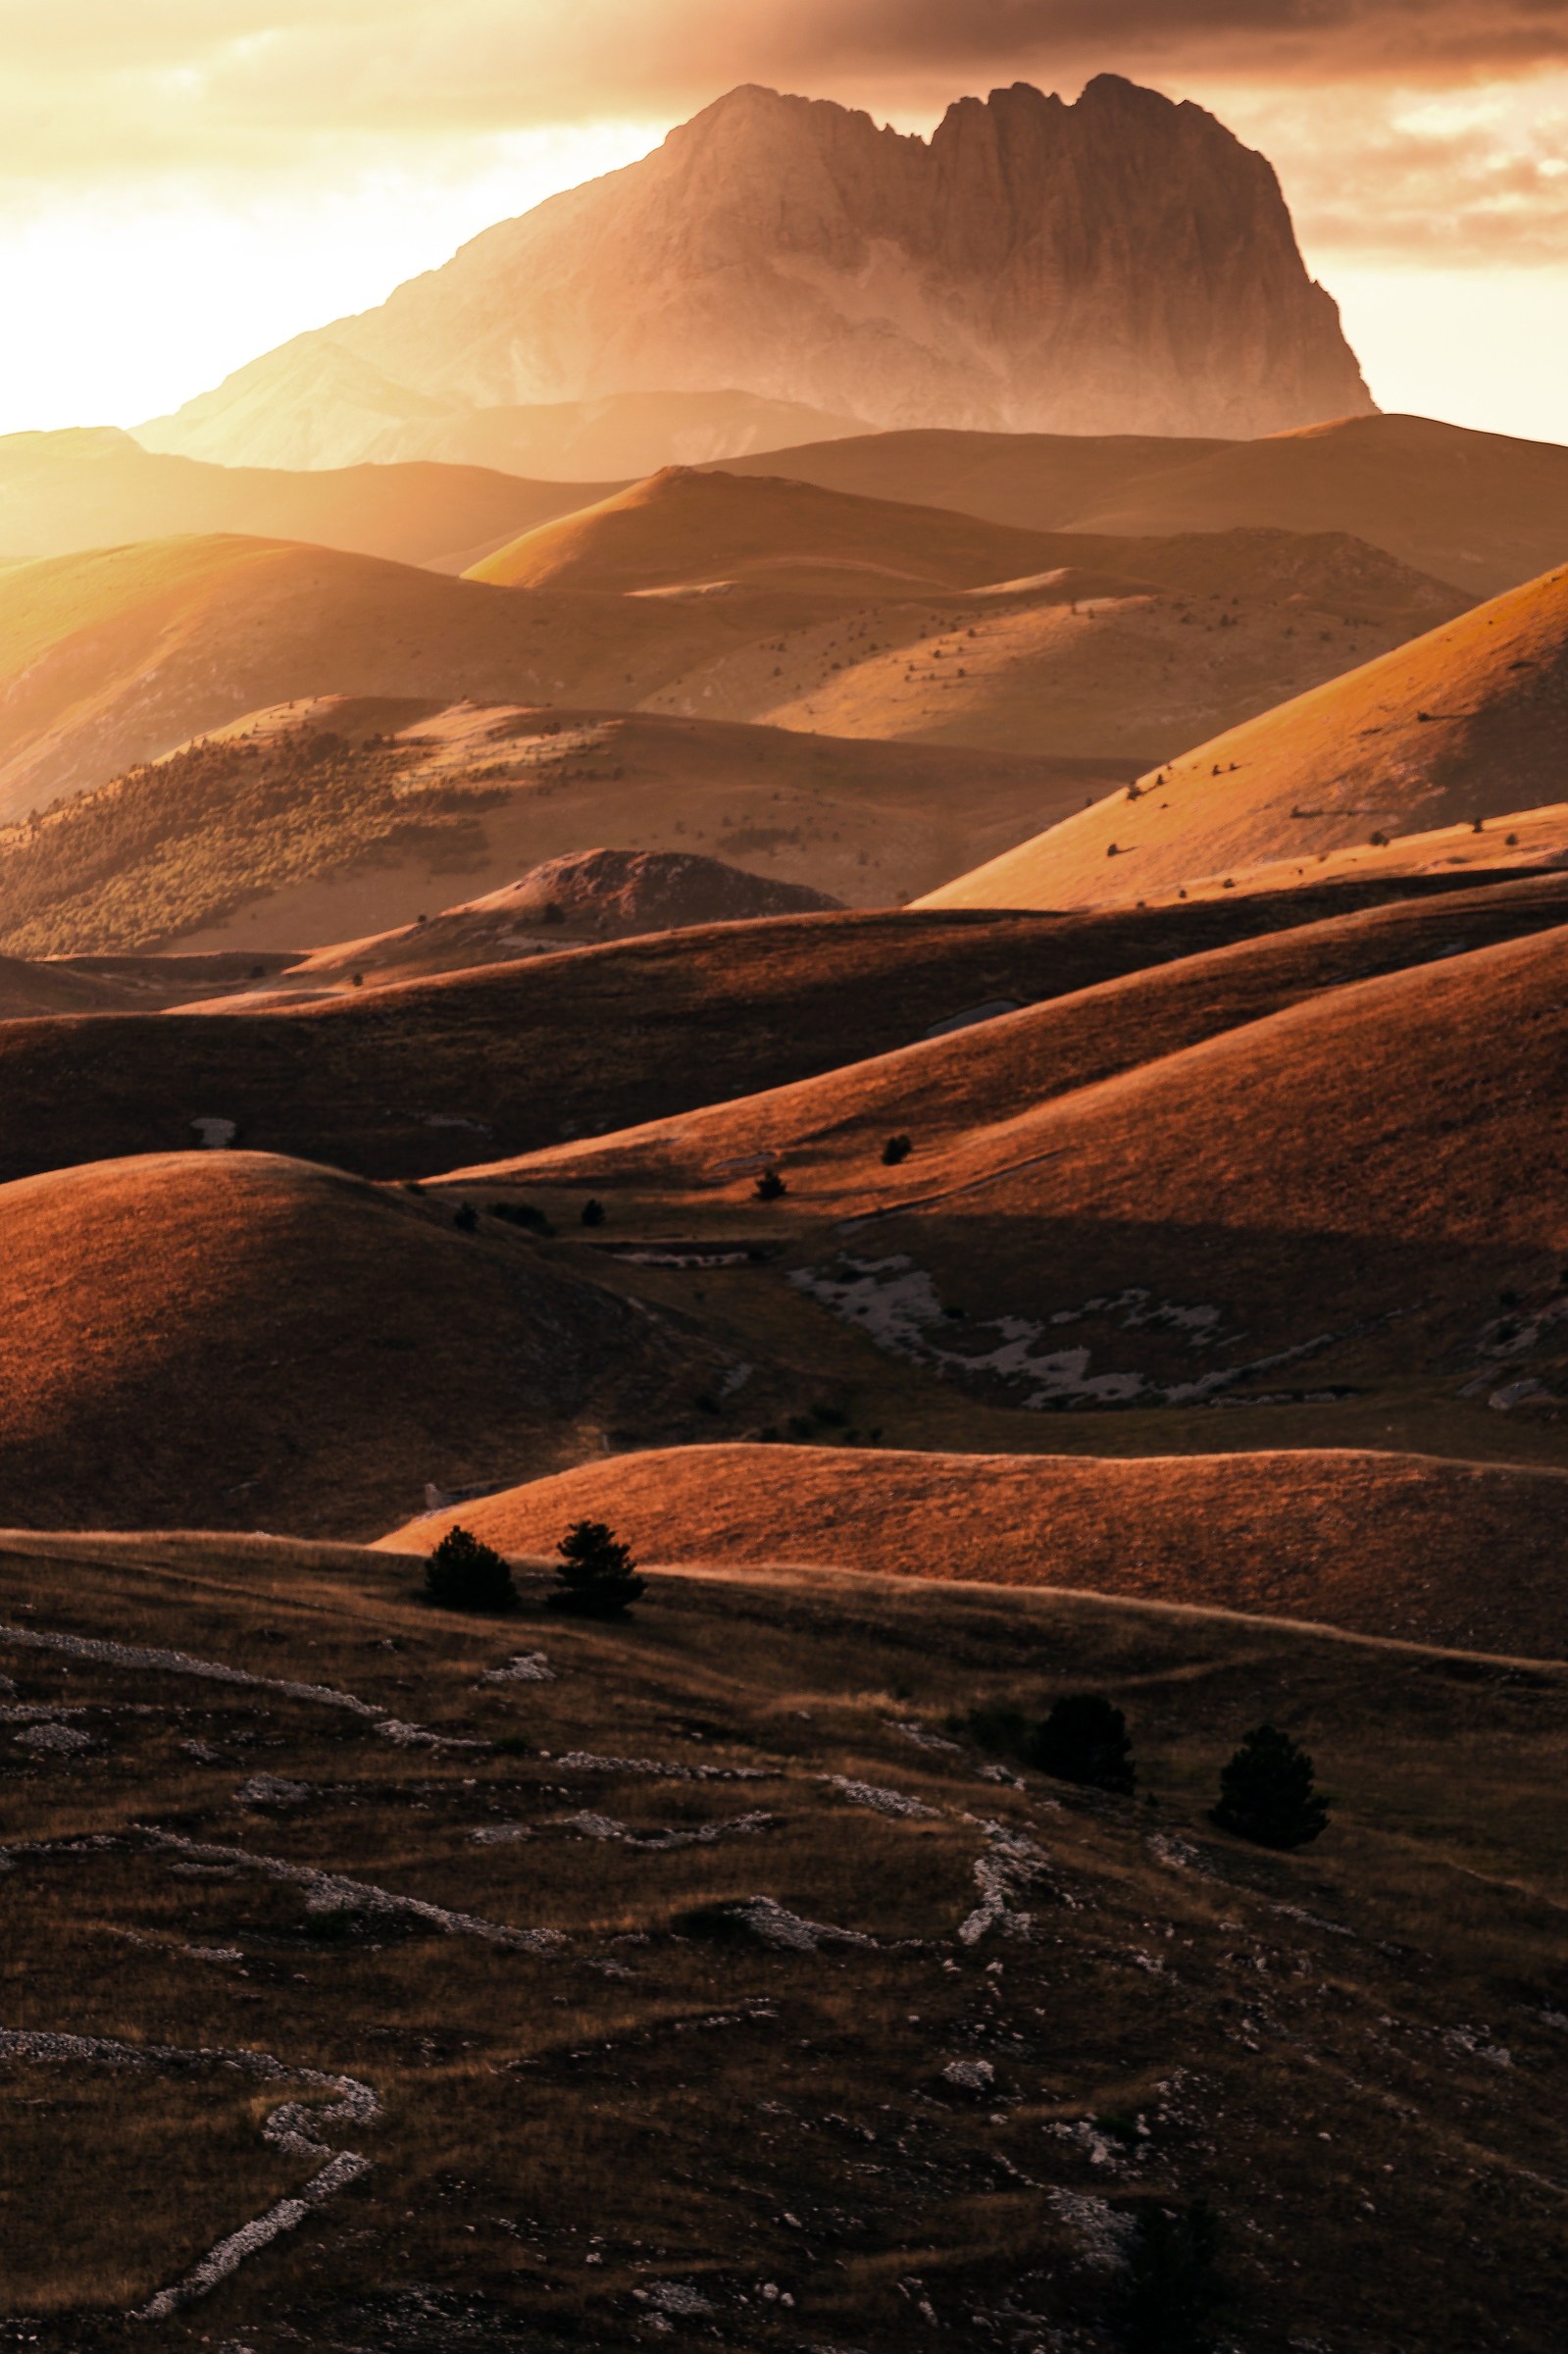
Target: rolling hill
217, 1339
1249, 1178
1484, 511
341, 816
122, 656
62, 492
1467, 723
408, 1080
912, 624
684, 528
1379, 1543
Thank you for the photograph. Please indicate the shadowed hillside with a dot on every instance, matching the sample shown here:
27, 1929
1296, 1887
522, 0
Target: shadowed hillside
222, 1339
1304, 1196
727, 1912
420, 1077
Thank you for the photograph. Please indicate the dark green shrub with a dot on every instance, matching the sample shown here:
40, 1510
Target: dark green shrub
465, 1217
1267, 1793
1174, 2287
597, 1575
895, 1149
771, 1186
462, 1575
593, 1213
1085, 1739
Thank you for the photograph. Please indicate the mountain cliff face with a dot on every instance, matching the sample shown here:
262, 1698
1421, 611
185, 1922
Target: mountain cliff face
1121, 264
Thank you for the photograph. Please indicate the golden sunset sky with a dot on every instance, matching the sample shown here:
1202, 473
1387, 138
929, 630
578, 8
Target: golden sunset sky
185, 183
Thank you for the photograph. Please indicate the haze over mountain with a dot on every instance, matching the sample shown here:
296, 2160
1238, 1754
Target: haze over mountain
61, 492
1119, 265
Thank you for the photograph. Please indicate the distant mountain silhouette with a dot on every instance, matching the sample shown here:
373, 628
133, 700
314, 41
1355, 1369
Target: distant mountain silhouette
1121, 264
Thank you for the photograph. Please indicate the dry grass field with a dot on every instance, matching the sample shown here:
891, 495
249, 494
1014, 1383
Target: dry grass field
1377, 1543
1466, 725
703, 1975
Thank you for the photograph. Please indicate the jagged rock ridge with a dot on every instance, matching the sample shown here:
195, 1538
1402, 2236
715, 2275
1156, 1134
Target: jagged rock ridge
1120, 265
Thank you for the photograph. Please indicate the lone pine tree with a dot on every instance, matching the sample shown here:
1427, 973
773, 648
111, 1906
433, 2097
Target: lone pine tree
462, 1575
598, 1578
1267, 1793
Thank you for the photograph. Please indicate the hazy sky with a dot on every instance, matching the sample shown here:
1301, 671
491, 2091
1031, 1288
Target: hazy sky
185, 183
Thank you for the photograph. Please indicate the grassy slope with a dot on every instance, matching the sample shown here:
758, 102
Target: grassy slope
1469, 721
227, 1339
423, 1076
332, 819
1379, 1543
1344, 2048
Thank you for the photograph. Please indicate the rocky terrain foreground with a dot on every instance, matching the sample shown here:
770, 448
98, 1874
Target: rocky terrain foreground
381, 1977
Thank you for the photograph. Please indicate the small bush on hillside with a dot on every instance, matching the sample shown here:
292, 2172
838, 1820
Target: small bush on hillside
895, 1149
462, 1575
597, 1575
465, 1217
1174, 2286
771, 1186
593, 1213
1267, 1793
1085, 1740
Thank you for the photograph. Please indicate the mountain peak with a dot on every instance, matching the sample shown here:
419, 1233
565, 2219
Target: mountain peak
1122, 264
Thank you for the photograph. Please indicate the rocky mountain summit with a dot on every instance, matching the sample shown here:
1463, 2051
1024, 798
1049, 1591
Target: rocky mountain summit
1118, 265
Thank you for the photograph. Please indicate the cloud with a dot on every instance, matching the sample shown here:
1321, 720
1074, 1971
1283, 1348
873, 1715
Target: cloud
177, 77
1347, 96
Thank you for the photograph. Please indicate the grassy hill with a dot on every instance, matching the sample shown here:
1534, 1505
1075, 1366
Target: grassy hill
731, 1918
1467, 723
1251, 1180
418, 1077
1379, 1543
1485, 511
219, 1338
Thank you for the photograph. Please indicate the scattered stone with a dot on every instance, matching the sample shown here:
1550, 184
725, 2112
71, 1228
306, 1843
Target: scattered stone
881, 1801
272, 1790
53, 1740
1012, 1863
970, 2076
530, 1667
769, 1921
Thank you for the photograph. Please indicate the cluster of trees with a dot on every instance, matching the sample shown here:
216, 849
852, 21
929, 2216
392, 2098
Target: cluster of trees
595, 1575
